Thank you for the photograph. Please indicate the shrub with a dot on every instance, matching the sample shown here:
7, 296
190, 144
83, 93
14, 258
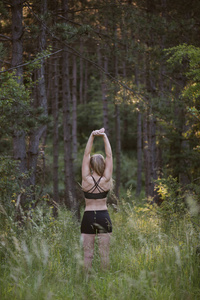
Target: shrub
172, 197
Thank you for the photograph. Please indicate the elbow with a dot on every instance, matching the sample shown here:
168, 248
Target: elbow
109, 155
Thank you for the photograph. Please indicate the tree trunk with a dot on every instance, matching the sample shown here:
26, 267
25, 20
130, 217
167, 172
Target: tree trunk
85, 83
74, 109
152, 154
104, 89
118, 150
81, 74
146, 157
117, 115
104, 97
19, 142
118, 141
55, 111
17, 33
150, 134
149, 129
70, 199
53, 86
139, 140
40, 101
139, 154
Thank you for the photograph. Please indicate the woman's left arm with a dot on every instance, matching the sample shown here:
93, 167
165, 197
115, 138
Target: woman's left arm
86, 157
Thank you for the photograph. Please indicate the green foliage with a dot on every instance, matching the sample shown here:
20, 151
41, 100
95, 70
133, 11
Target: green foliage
186, 52
9, 182
172, 197
189, 56
16, 110
35, 64
14, 103
185, 62
71, 33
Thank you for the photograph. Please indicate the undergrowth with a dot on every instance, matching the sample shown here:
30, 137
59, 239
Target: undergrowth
148, 260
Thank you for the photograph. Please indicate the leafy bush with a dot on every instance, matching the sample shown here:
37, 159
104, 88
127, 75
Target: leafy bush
172, 197
9, 181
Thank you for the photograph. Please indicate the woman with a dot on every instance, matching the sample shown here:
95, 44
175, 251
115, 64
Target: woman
96, 183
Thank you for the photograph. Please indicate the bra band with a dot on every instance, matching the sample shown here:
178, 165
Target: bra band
96, 195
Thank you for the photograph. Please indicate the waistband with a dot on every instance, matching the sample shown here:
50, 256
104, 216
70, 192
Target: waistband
90, 211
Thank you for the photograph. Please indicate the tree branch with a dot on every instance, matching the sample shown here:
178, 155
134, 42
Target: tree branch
5, 37
30, 62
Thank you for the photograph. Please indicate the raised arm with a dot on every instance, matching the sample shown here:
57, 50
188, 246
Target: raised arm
109, 160
86, 157
108, 151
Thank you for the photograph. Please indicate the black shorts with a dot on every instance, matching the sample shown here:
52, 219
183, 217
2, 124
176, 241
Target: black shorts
97, 221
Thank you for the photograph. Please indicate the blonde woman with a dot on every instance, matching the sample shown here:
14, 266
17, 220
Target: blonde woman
96, 183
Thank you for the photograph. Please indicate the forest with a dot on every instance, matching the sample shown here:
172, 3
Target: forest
67, 68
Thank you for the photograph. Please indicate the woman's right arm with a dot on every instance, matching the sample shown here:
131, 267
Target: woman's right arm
109, 160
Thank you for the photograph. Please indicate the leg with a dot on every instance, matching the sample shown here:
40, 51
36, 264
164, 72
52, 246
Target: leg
104, 247
88, 248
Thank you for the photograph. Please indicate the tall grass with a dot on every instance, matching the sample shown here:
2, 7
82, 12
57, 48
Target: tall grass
148, 260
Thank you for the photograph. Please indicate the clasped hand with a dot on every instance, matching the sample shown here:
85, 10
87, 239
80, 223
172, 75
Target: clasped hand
99, 132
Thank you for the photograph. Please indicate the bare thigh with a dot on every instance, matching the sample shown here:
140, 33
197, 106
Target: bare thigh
88, 241
104, 248
104, 240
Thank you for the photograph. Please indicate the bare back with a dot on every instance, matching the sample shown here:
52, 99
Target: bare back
88, 184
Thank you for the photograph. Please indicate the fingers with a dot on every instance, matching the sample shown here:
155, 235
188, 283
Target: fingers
102, 130
99, 132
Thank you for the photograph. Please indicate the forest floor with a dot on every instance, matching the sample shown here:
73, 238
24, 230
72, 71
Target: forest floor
150, 258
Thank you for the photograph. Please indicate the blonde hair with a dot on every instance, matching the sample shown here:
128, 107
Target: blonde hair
97, 164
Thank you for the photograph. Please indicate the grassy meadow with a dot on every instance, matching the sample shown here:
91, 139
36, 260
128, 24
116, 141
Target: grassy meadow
150, 257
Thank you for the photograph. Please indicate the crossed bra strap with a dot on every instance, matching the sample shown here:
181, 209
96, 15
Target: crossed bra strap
90, 193
96, 186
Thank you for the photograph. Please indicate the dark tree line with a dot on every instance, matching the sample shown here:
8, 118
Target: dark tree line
100, 63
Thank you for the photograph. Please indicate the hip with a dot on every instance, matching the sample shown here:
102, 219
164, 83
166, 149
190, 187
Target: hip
96, 221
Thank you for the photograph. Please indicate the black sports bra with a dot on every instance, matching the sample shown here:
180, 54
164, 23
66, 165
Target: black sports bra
101, 195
